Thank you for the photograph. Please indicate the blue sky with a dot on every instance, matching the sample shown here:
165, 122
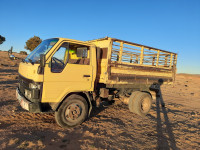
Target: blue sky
172, 25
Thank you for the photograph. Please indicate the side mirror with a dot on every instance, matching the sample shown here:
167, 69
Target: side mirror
12, 57
42, 60
42, 64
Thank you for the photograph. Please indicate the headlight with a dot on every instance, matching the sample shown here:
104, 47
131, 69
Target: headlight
34, 86
28, 94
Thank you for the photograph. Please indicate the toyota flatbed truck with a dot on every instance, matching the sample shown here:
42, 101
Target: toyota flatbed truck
70, 77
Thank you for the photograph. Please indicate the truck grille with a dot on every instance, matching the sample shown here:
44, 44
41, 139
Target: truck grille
23, 84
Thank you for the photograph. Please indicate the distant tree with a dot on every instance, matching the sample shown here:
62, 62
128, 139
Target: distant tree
2, 39
32, 43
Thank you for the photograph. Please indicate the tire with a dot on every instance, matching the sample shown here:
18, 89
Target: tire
141, 103
72, 112
130, 102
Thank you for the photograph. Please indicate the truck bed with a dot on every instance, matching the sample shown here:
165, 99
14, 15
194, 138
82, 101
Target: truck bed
122, 62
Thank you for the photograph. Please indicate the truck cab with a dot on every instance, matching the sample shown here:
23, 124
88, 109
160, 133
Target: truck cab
58, 68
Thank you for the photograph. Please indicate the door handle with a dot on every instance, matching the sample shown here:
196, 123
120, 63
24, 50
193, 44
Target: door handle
86, 76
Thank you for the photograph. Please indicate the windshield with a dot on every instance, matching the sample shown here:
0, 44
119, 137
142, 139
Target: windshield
42, 48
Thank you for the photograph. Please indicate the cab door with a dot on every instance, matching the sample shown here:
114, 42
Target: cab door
68, 70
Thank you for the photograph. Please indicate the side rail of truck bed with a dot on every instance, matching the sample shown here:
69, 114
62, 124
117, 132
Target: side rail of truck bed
130, 53
131, 62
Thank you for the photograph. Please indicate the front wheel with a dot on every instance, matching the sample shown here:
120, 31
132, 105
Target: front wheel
72, 112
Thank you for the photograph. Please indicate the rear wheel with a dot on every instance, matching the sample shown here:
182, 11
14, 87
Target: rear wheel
72, 112
140, 103
130, 102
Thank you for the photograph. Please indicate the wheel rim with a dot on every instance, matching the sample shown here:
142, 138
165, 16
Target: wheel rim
73, 112
145, 106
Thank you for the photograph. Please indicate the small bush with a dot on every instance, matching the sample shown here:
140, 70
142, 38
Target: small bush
23, 52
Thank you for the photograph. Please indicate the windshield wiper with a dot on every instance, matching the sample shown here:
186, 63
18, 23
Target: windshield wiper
31, 61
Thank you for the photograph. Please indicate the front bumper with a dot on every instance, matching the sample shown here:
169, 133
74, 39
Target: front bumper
34, 107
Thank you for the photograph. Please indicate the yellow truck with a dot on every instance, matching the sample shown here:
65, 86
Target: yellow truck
70, 77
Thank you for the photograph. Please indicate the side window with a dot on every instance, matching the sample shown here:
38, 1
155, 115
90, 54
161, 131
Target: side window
59, 59
78, 54
69, 53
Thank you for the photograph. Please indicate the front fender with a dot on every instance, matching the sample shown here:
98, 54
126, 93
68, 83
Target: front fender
86, 95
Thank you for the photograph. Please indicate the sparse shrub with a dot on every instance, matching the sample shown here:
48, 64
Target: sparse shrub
23, 52
2, 39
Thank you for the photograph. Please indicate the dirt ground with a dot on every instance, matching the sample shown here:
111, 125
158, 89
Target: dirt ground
173, 122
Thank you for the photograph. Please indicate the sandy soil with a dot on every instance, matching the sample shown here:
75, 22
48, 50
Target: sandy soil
173, 122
